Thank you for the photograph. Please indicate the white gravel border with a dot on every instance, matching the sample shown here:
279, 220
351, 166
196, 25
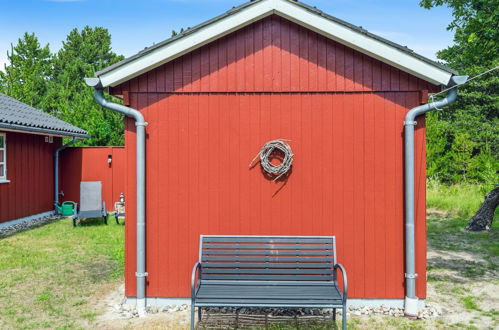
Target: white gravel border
19, 226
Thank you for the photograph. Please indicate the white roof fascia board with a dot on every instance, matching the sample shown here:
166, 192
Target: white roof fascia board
362, 43
328, 28
188, 43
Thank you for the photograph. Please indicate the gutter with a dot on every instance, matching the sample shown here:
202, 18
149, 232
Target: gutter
56, 171
141, 124
42, 131
411, 301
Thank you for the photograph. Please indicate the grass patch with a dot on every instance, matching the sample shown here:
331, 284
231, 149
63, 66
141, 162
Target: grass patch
470, 303
462, 200
50, 273
449, 234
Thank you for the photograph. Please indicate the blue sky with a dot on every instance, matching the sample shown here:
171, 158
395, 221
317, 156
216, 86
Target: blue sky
135, 24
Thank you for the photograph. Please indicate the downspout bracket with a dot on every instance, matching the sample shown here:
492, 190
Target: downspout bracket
137, 274
411, 275
409, 122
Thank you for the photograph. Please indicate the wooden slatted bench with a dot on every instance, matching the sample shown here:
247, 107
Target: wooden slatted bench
267, 271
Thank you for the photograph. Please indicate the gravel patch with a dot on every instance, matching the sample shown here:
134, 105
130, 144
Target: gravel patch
19, 227
128, 311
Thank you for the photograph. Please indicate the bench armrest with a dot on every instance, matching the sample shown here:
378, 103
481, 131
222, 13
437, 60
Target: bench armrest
345, 281
193, 279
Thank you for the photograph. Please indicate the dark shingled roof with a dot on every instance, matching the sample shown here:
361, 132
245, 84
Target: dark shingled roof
247, 4
19, 116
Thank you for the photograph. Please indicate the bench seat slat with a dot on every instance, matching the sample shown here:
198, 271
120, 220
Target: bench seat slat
214, 290
232, 295
266, 258
269, 293
299, 302
269, 246
268, 305
269, 252
267, 239
265, 283
266, 271
207, 265
268, 277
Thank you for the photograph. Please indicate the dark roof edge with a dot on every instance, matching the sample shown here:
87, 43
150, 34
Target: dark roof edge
38, 130
303, 5
405, 49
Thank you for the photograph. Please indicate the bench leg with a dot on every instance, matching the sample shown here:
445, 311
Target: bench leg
344, 318
193, 310
199, 314
334, 314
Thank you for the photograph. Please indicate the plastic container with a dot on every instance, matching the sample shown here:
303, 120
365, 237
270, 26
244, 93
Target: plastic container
67, 208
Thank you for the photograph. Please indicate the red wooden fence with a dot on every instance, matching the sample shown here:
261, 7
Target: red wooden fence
91, 164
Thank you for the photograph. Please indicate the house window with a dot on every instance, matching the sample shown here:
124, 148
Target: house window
3, 157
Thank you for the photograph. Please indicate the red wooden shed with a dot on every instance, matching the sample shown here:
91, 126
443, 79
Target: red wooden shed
28, 140
270, 69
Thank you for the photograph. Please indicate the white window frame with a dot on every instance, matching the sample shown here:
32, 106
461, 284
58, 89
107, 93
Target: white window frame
4, 162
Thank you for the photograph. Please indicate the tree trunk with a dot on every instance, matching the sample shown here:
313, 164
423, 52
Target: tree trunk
483, 218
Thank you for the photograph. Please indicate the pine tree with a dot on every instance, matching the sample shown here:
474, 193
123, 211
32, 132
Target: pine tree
82, 54
26, 76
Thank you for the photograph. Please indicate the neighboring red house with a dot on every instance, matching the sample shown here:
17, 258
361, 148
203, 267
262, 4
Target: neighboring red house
28, 139
269, 69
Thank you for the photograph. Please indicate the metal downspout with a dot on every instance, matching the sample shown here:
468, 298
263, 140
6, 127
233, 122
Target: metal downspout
411, 301
140, 123
56, 171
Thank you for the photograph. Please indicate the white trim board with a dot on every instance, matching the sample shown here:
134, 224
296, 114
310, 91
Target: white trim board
356, 303
296, 13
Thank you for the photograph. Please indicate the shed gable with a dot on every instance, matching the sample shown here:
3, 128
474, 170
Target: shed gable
238, 17
274, 54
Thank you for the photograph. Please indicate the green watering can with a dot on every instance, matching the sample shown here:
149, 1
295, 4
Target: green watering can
66, 209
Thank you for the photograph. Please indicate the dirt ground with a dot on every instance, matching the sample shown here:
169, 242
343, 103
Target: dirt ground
463, 285
446, 295
113, 319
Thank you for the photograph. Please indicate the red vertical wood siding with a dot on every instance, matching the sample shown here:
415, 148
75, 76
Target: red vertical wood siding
209, 113
90, 164
31, 173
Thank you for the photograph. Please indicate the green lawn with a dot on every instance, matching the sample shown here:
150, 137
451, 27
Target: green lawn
49, 274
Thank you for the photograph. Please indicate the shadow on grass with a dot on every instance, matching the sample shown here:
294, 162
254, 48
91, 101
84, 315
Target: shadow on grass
100, 270
458, 255
92, 222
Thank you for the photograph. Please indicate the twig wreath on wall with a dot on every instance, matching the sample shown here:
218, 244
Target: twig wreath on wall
266, 155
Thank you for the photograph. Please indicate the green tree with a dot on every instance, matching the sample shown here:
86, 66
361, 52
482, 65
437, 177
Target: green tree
463, 140
82, 54
26, 76
476, 32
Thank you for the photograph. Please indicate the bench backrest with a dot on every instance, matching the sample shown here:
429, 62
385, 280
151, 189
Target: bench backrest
90, 195
267, 258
